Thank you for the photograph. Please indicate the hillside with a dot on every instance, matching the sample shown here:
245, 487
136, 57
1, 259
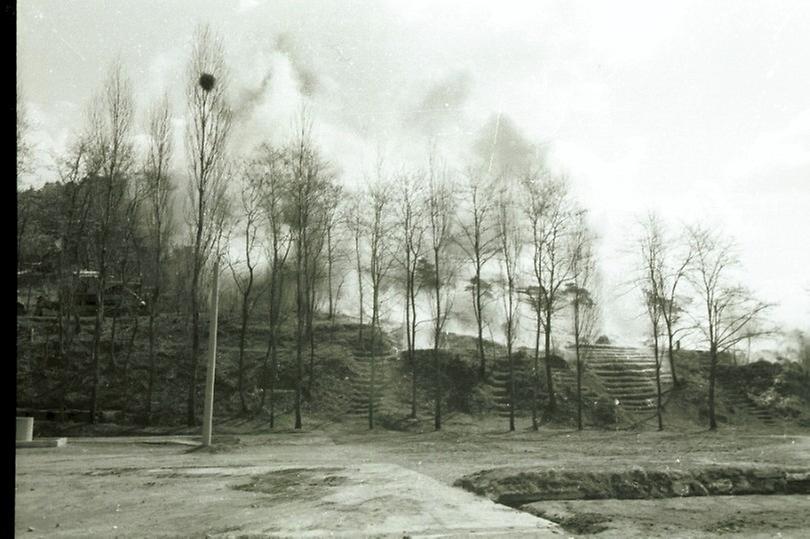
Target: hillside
338, 389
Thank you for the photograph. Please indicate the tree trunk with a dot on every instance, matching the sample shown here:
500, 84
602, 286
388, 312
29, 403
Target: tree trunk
658, 410
150, 386
408, 336
437, 410
299, 373
671, 353
241, 365
127, 357
536, 377
371, 376
552, 402
273, 378
579, 389
329, 273
301, 300
112, 341
359, 287
191, 403
310, 334
437, 413
511, 381
712, 380
479, 319
99, 321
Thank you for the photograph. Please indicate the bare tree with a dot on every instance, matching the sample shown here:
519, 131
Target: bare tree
439, 209
731, 312
110, 118
130, 254
355, 222
24, 154
411, 223
250, 220
324, 198
208, 127
275, 177
74, 208
510, 245
676, 259
331, 215
479, 245
549, 213
24, 150
157, 191
581, 289
380, 262
307, 188
651, 250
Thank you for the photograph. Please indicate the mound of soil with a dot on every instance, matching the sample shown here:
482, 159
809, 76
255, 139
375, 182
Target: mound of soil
514, 487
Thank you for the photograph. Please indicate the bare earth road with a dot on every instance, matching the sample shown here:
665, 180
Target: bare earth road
295, 486
383, 484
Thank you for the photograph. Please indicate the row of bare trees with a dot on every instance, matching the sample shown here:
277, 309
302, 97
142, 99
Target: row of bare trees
288, 228
421, 233
714, 305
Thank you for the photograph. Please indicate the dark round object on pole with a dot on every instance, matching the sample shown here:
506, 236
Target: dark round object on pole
207, 81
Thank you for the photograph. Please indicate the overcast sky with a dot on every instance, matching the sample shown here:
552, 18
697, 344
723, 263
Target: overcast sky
698, 110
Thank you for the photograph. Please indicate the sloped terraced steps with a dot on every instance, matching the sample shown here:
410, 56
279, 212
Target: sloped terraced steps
740, 401
628, 375
359, 385
498, 379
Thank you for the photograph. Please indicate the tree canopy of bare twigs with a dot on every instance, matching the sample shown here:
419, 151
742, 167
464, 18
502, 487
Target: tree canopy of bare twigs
110, 158
730, 311
410, 218
478, 241
439, 210
510, 245
583, 293
550, 214
207, 129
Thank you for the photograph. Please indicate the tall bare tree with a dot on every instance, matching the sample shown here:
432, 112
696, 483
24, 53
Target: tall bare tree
24, 155
439, 209
111, 158
208, 127
354, 219
380, 262
479, 244
157, 207
74, 209
130, 272
651, 251
549, 212
278, 238
24, 150
411, 223
510, 245
330, 229
731, 312
677, 257
582, 290
325, 194
309, 178
250, 220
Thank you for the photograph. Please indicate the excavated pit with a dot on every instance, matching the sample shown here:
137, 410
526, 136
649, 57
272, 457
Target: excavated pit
516, 487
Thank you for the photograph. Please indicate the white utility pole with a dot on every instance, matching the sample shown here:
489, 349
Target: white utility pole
208, 411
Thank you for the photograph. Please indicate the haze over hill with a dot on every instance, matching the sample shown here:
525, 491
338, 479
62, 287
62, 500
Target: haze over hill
697, 111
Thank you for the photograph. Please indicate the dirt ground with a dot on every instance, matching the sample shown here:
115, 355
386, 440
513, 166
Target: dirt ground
341, 480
